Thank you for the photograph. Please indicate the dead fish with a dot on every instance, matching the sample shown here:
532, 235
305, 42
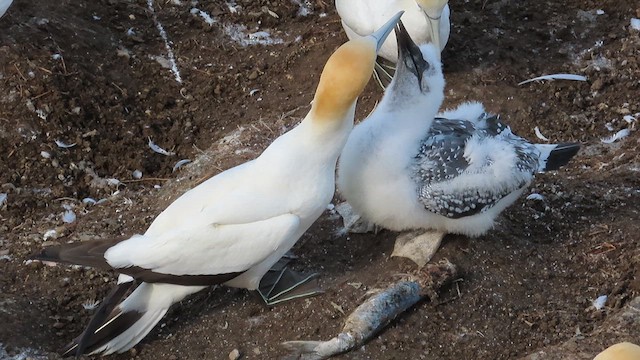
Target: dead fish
376, 313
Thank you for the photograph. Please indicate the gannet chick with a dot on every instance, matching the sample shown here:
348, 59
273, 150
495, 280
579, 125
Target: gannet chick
404, 169
234, 227
4, 6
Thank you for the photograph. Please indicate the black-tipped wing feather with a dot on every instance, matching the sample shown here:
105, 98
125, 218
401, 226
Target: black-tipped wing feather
91, 253
445, 177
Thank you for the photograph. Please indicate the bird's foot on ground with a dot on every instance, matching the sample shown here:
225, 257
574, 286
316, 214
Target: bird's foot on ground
282, 284
418, 246
354, 223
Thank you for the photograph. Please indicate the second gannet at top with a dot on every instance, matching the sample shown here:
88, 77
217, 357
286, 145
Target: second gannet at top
425, 20
403, 168
234, 227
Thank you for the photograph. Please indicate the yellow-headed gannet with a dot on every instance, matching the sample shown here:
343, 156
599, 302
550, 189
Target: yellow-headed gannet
234, 227
620, 351
403, 168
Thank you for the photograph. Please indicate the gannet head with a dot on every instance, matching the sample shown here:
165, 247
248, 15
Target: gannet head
346, 73
432, 10
418, 81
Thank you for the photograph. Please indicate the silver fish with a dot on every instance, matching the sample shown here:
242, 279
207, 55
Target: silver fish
376, 313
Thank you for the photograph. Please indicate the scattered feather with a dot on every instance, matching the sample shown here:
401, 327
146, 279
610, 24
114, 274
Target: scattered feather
180, 164
42, 114
535, 196
629, 119
113, 182
159, 150
304, 7
253, 92
6, 257
69, 216
556, 77
204, 15
609, 126
635, 24
599, 302
232, 6
3, 199
90, 304
89, 201
539, 134
136, 174
45, 154
64, 145
617, 136
50, 234
167, 43
599, 12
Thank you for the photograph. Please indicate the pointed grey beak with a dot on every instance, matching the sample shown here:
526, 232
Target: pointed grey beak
381, 34
409, 55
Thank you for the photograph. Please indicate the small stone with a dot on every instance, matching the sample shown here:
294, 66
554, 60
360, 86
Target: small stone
597, 85
234, 354
253, 75
257, 351
58, 325
172, 357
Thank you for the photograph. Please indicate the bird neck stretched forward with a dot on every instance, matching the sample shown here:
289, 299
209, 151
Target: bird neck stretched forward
343, 78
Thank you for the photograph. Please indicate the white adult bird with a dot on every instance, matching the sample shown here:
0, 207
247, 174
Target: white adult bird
234, 227
403, 168
4, 6
425, 20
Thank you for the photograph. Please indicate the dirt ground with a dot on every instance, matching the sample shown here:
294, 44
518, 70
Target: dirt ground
97, 74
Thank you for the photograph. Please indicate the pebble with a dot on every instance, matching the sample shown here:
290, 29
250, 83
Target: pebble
234, 354
597, 85
58, 325
253, 75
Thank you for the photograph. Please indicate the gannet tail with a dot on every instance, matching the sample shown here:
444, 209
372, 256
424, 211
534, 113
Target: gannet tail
126, 324
554, 156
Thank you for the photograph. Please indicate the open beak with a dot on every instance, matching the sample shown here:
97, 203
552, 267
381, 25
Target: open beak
409, 54
381, 34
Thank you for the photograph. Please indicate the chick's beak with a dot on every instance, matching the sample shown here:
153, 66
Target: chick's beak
409, 54
381, 34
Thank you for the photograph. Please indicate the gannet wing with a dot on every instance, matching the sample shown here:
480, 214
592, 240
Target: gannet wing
213, 249
463, 168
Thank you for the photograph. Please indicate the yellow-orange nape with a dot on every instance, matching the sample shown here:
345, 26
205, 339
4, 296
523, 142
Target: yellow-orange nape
343, 78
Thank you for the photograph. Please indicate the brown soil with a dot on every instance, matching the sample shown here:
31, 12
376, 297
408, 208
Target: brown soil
70, 71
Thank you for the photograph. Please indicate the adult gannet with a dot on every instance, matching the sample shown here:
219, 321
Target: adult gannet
4, 6
425, 20
620, 351
403, 168
234, 227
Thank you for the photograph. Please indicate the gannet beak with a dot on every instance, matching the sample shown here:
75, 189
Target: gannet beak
381, 34
432, 10
409, 55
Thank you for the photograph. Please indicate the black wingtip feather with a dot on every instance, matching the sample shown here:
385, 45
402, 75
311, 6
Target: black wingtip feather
116, 323
561, 155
